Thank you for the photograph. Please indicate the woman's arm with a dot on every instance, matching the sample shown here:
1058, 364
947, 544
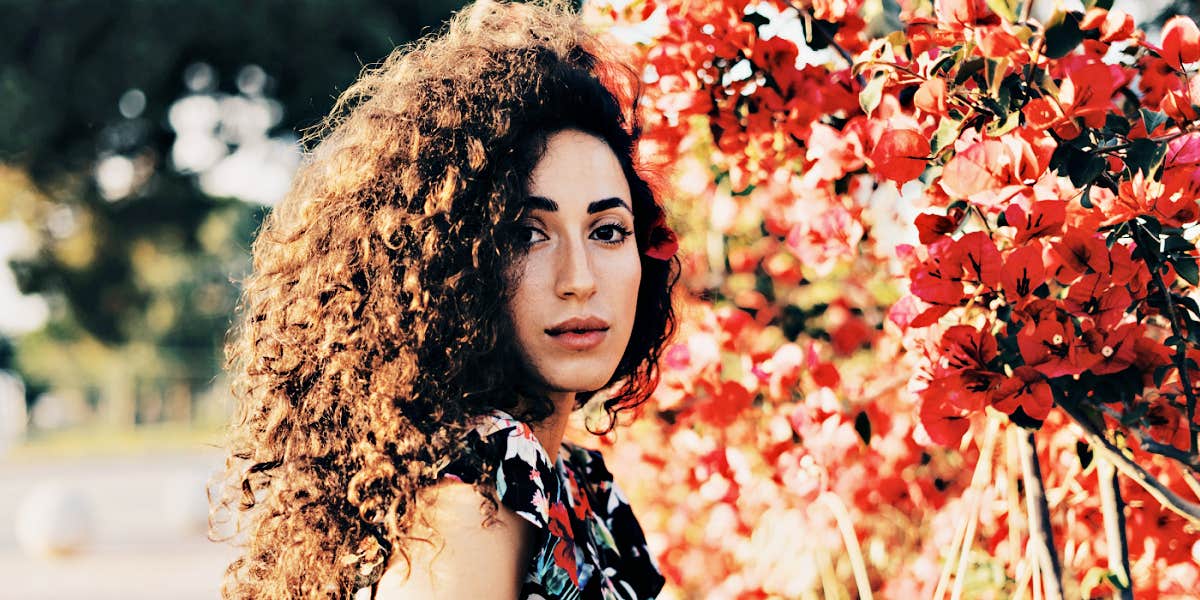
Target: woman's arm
464, 559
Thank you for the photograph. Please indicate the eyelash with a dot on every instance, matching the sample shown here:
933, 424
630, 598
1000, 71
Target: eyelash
625, 233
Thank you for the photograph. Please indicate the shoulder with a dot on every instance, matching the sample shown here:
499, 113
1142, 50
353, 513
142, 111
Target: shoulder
455, 552
524, 473
464, 556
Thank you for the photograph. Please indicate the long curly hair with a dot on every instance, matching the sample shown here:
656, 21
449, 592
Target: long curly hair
373, 328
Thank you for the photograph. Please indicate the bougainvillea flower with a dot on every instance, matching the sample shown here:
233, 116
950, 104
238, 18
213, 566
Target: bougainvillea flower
1180, 41
995, 42
1045, 217
945, 423
939, 279
1114, 25
1026, 389
1080, 252
1095, 295
963, 348
1115, 346
1023, 271
661, 242
1053, 349
931, 227
969, 390
900, 155
931, 97
979, 258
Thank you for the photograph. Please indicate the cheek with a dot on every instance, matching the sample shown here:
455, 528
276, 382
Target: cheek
625, 279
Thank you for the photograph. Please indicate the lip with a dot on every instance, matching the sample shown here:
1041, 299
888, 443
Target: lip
584, 324
580, 341
579, 333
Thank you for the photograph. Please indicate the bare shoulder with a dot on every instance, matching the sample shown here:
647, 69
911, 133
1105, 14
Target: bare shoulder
465, 557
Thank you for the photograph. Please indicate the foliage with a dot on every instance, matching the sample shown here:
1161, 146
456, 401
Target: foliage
922, 235
142, 284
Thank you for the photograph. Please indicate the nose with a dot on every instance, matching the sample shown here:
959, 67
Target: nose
575, 276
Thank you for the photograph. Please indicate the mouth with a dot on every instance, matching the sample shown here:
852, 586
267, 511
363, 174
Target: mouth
578, 339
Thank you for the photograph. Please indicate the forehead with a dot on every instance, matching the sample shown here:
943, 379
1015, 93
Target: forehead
576, 170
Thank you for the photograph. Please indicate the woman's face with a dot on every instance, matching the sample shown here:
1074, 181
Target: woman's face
576, 288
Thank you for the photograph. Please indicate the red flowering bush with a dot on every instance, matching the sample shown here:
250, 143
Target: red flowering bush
943, 335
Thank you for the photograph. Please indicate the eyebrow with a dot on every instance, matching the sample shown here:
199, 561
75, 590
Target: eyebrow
546, 204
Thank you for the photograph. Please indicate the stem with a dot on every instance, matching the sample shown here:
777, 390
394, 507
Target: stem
1113, 508
1041, 534
842, 516
1134, 471
1026, 9
815, 26
1180, 356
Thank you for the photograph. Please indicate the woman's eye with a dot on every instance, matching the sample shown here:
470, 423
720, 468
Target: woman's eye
612, 234
528, 235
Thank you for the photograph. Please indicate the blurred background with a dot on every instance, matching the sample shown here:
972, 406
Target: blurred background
141, 143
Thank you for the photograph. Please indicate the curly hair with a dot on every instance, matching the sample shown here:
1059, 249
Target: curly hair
373, 327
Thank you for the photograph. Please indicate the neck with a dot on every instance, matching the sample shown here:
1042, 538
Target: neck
550, 431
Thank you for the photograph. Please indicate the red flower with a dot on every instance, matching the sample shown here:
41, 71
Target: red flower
1180, 41
931, 227
1026, 389
945, 423
564, 550
661, 242
1115, 347
1044, 218
1023, 271
900, 155
1081, 252
1052, 347
1095, 296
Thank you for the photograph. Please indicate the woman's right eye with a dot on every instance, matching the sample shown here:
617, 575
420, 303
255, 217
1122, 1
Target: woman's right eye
528, 235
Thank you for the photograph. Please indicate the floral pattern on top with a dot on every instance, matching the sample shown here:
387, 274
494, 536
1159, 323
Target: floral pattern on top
589, 544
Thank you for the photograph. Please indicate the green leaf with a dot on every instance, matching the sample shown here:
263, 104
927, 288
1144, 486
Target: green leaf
755, 19
1086, 198
1084, 167
1185, 266
1144, 155
1004, 8
1063, 34
1114, 123
1105, 4
1153, 119
862, 424
872, 94
945, 135
968, 68
1160, 373
1001, 127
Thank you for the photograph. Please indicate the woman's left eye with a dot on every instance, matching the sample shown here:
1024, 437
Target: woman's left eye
612, 233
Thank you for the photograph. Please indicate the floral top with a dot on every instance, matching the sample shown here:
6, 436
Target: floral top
589, 544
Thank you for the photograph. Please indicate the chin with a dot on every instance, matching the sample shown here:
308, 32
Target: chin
573, 382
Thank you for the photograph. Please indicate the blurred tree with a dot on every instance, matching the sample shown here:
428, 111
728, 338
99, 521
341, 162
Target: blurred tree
142, 282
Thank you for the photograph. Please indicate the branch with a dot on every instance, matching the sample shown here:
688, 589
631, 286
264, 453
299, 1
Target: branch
1134, 471
850, 538
1041, 533
1180, 356
815, 25
1113, 507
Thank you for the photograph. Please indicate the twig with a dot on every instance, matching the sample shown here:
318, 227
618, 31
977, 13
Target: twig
1041, 533
1132, 470
981, 478
815, 25
1113, 508
850, 539
1180, 356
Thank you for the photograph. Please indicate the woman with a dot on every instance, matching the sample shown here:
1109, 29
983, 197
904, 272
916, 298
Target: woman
467, 256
